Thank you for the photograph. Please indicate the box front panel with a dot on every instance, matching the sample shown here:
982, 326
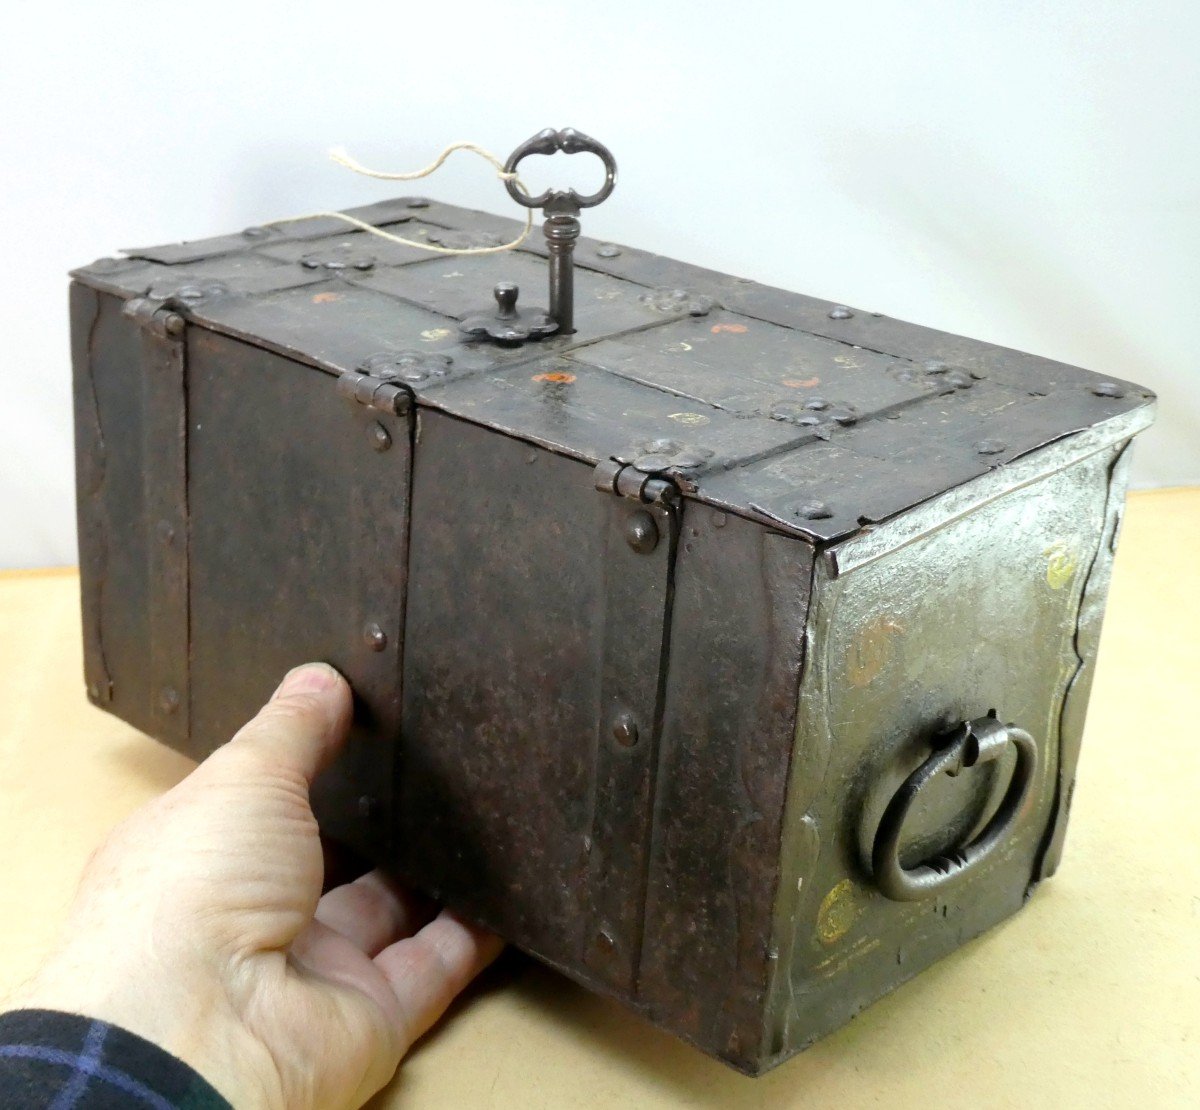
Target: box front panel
504, 648
298, 504
977, 614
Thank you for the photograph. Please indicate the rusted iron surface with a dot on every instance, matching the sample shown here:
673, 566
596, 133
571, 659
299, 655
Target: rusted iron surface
648, 623
889, 413
298, 538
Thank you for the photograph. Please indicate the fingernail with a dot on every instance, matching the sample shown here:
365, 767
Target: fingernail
311, 678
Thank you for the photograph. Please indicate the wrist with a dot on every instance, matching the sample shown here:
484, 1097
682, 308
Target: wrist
186, 1013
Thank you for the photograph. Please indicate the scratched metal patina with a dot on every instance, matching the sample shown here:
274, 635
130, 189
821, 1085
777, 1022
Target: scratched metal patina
654, 627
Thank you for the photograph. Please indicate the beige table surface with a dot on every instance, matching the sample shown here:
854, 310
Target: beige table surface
1089, 997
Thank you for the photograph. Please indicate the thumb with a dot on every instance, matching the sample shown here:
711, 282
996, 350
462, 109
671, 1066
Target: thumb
303, 725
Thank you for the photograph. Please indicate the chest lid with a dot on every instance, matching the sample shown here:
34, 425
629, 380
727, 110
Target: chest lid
816, 417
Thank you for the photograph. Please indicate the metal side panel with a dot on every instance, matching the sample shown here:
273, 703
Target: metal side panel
299, 530
531, 634
1087, 643
129, 411
737, 635
978, 614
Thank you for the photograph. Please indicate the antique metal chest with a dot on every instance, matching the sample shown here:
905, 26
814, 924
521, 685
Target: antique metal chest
678, 640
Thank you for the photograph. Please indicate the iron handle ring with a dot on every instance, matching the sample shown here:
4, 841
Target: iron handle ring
561, 201
980, 741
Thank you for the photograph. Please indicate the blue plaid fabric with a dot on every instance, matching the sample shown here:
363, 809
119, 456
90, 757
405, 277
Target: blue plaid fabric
63, 1061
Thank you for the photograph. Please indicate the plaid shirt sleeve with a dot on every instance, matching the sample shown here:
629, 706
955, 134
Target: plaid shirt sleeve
68, 1062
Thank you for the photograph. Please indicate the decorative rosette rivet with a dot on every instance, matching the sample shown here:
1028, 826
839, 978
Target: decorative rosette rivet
407, 366
463, 240
188, 292
936, 375
670, 301
813, 412
660, 455
337, 259
509, 324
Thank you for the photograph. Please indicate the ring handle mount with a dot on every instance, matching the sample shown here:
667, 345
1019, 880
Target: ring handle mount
983, 740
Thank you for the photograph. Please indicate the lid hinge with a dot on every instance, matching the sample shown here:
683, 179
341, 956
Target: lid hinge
160, 317
640, 536
375, 393
613, 476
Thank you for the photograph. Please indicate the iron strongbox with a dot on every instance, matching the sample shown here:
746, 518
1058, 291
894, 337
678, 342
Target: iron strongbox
725, 648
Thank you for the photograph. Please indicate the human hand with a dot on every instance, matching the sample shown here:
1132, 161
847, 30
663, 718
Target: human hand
199, 925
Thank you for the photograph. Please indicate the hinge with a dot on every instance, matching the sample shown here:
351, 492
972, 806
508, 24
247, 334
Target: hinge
375, 393
641, 532
156, 316
612, 476
163, 364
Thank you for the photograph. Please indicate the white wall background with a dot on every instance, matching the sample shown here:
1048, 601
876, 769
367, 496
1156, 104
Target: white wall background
1023, 172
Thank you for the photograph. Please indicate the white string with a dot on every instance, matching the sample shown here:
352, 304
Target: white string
339, 155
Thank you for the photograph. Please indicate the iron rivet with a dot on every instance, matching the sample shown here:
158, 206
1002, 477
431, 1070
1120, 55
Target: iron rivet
605, 943
1108, 389
625, 730
374, 637
105, 264
662, 446
816, 403
175, 324
255, 233
840, 312
165, 532
608, 250
815, 510
719, 520
417, 202
168, 699
990, 446
368, 807
652, 464
190, 293
687, 460
641, 532
381, 439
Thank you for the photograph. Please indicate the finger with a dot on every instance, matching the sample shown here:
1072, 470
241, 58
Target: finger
428, 970
373, 912
303, 724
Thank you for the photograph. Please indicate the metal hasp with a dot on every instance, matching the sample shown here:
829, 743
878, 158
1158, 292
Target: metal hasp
562, 208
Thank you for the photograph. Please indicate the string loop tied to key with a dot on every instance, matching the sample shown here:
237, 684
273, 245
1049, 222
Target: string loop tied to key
342, 158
